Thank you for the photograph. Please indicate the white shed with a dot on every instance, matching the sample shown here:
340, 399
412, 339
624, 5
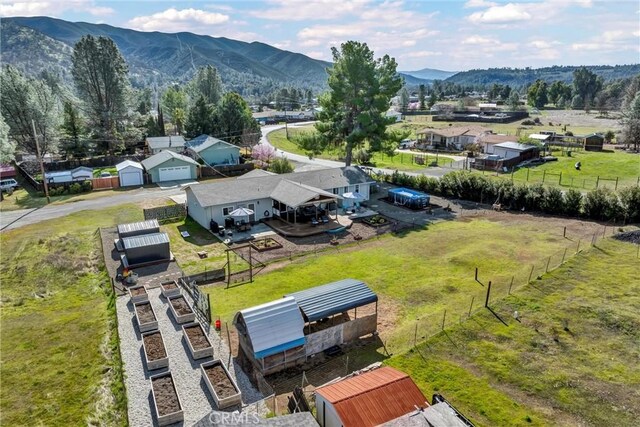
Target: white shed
81, 173
130, 173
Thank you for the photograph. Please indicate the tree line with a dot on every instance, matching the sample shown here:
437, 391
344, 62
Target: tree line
102, 113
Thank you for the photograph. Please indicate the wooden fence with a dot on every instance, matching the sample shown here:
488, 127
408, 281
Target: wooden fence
166, 212
225, 170
107, 183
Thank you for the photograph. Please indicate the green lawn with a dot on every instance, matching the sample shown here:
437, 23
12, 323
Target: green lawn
60, 360
401, 161
186, 249
571, 360
416, 274
606, 165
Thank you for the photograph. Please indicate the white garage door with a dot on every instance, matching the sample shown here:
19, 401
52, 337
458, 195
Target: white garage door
130, 178
175, 173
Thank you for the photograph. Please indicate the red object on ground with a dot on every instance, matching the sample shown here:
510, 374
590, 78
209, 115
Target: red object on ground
218, 325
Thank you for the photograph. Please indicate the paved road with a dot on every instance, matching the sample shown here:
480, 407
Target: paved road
435, 172
19, 218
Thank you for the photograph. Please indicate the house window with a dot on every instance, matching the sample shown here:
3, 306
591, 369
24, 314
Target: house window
357, 188
336, 190
227, 210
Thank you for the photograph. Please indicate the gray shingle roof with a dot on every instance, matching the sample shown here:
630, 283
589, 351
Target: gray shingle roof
333, 298
294, 194
239, 190
163, 156
172, 141
202, 142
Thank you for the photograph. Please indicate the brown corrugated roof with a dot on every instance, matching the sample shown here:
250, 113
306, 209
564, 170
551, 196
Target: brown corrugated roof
497, 139
374, 397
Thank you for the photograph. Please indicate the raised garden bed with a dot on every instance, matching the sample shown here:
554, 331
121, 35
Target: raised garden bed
155, 352
170, 289
146, 317
265, 244
197, 341
181, 310
376, 221
166, 401
221, 385
138, 294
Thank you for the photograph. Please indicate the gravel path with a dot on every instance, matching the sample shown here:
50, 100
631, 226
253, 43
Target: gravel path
196, 400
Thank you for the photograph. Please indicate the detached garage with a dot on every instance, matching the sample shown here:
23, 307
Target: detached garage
170, 166
130, 173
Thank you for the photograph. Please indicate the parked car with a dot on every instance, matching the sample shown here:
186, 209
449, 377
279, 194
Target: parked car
105, 175
407, 143
8, 185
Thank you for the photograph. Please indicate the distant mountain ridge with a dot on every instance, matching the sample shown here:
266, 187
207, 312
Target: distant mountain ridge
525, 76
430, 74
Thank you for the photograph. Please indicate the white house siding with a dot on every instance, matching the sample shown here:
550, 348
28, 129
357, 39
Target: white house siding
196, 212
506, 153
203, 216
326, 414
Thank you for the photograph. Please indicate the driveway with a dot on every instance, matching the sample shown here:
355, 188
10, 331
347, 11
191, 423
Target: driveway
15, 219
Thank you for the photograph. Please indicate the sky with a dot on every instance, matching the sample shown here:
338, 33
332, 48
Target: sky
447, 35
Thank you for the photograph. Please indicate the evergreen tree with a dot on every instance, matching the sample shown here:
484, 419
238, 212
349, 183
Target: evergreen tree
199, 119
422, 96
73, 131
161, 130
206, 83
234, 121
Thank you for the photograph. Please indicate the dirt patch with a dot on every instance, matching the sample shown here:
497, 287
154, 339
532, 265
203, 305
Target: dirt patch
154, 346
166, 396
196, 337
138, 291
145, 313
169, 286
220, 381
181, 306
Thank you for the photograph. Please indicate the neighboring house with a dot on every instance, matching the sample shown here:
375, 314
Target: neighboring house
275, 195
81, 173
170, 166
130, 173
213, 150
157, 144
396, 115
286, 332
368, 399
450, 138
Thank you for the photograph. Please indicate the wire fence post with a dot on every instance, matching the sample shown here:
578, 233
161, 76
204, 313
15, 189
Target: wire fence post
578, 249
486, 301
548, 261
511, 284
564, 255
531, 273
444, 317
415, 333
473, 298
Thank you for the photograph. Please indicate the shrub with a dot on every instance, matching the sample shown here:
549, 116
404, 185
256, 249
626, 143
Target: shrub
528, 122
553, 202
281, 165
573, 202
602, 204
75, 188
630, 203
87, 186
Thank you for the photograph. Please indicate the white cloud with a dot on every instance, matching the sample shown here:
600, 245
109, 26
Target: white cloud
283, 44
316, 54
332, 31
421, 54
508, 13
296, 10
177, 20
479, 3
479, 40
51, 8
310, 43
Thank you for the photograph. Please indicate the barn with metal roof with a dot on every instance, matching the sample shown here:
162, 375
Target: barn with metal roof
138, 228
146, 248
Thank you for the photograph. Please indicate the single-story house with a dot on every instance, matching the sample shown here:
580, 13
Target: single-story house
7, 171
214, 151
513, 150
268, 195
130, 173
396, 115
449, 138
81, 173
369, 399
157, 144
284, 333
170, 166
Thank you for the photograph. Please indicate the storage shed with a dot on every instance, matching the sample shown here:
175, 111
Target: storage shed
146, 248
130, 173
593, 142
408, 198
138, 228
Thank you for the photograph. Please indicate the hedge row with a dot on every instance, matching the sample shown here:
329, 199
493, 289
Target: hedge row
600, 204
75, 188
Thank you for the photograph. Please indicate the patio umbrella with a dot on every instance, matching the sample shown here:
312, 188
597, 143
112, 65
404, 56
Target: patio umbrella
355, 196
240, 213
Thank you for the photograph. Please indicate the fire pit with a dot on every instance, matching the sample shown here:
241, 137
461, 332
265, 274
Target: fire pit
155, 353
197, 341
170, 289
166, 401
138, 294
146, 317
181, 310
220, 383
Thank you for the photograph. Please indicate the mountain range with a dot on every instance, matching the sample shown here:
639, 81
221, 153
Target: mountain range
251, 69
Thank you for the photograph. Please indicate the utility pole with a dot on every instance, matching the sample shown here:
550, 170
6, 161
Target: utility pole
44, 178
286, 129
